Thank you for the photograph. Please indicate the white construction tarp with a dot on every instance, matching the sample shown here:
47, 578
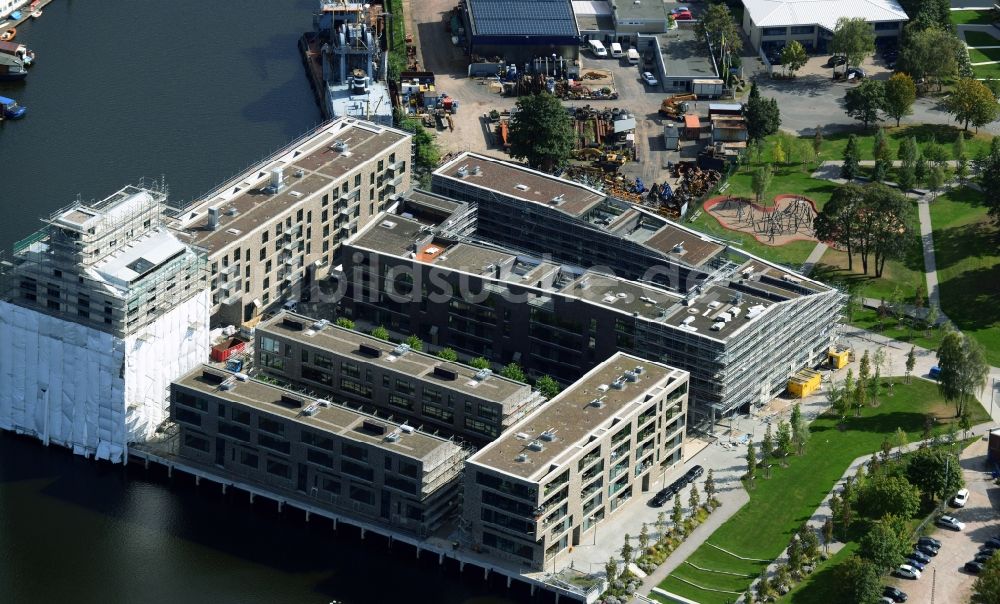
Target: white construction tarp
85, 389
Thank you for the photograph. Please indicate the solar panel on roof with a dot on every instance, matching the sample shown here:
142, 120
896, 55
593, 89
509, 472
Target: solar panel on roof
522, 17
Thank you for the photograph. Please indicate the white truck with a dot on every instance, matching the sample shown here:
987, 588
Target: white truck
597, 47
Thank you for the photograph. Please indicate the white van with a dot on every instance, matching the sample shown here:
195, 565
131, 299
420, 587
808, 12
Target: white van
616, 50
597, 48
633, 56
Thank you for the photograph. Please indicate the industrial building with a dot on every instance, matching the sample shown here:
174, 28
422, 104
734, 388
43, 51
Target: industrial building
770, 24
391, 379
549, 481
680, 58
277, 228
342, 459
559, 277
518, 31
100, 310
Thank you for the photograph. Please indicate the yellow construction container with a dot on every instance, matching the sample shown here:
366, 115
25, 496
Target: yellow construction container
839, 358
804, 383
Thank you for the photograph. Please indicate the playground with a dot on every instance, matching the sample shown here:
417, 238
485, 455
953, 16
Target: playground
789, 219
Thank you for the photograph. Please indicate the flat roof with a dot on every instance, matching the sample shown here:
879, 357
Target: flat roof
521, 182
140, 257
825, 13
593, 15
522, 18
645, 10
333, 418
684, 55
309, 165
573, 418
347, 343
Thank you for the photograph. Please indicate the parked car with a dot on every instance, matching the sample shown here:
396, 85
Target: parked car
929, 541
988, 553
907, 572
696, 472
836, 60
857, 72
649, 79
894, 594
919, 556
974, 567
960, 498
983, 557
950, 522
995, 541
926, 550
683, 16
680, 9
989, 547
885, 600
915, 564
660, 498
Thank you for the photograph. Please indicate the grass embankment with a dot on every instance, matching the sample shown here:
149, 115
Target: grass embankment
971, 17
981, 38
397, 39
943, 134
779, 505
968, 263
980, 55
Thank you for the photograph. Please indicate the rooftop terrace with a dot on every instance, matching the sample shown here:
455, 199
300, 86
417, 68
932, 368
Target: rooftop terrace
328, 417
572, 417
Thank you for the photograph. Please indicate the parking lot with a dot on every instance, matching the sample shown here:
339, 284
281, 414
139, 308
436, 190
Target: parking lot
945, 574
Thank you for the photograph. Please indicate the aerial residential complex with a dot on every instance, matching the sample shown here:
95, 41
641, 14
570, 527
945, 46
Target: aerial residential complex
391, 379
341, 458
546, 483
100, 310
282, 222
558, 277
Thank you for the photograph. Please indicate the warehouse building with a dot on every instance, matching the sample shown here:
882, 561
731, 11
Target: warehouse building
341, 459
770, 24
548, 482
518, 31
391, 379
277, 228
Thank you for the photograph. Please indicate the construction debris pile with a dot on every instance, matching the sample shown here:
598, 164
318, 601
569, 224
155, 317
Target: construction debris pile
419, 97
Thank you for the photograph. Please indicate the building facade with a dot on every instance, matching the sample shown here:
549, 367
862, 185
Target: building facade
771, 24
339, 458
425, 390
547, 483
101, 309
274, 230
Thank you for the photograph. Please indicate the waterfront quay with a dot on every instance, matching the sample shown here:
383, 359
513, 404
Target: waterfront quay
564, 585
25, 14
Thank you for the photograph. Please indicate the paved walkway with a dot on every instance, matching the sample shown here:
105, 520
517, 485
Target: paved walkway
930, 262
814, 257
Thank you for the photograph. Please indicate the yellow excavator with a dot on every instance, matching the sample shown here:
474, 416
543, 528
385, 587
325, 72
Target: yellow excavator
677, 105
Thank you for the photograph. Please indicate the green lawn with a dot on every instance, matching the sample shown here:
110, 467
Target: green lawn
977, 17
989, 72
981, 38
968, 259
817, 587
779, 505
868, 319
944, 134
977, 55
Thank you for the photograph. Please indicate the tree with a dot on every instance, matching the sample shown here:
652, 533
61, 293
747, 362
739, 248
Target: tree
694, 499
853, 38
866, 101
809, 540
547, 386
900, 94
761, 181
345, 323
881, 170
428, 155
972, 102
709, 487
932, 54
818, 139
905, 178
886, 220
764, 589
480, 363
677, 515
627, 551
964, 369
793, 56
447, 354
837, 221
611, 570
513, 371
882, 150
852, 159
380, 332
541, 132
779, 152
762, 115
751, 463
988, 169
836, 396
800, 429
643, 539
882, 547
886, 494
827, 533
958, 147
783, 439
723, 33
661, 525
935, 178
935, 472
911, 362
795, 554
965, 423
986, 589
414, 342
859, 580
767, 449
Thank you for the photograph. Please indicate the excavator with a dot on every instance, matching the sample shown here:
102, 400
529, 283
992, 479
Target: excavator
677, 105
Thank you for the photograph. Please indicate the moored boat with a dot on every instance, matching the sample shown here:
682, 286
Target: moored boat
36, 14
10, 109
8, 35
16, 15
19, 51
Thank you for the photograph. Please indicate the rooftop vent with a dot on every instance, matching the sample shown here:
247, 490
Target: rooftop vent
630, 376
463, 171
406, 428
521, 436
549, 435
476, 170
319, 325
311, 410
597, 403
387, 224
482, 374
277, 178
242, 377
228, 384
558, 199
618, 384
401, 349
392, 437
232, 211
300, 173
679, 248
340, 146
522, 458
445, 374
536, 445
521, 187
639, 369
213, 218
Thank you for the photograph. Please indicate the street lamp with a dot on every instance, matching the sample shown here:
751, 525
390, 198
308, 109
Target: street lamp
593, 518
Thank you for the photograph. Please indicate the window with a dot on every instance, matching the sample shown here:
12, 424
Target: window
187, 416
350, 370
330, 485
317, 375
269, 425
322, 360
270, 345
354, 451
890, 26
775, 31
278, 469
481, 427
234, 431
805, 29
521, 550
196, 442
440, 413
357, 180
275, 444
397, 400
404, 386
489, 412
272, 361
357, 470
315, 440
361, 494
324, 459
409, 469
401, 484
263, 237
249, 459
351, 386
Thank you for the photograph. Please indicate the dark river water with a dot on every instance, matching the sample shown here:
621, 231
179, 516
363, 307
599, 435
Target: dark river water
193, 92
